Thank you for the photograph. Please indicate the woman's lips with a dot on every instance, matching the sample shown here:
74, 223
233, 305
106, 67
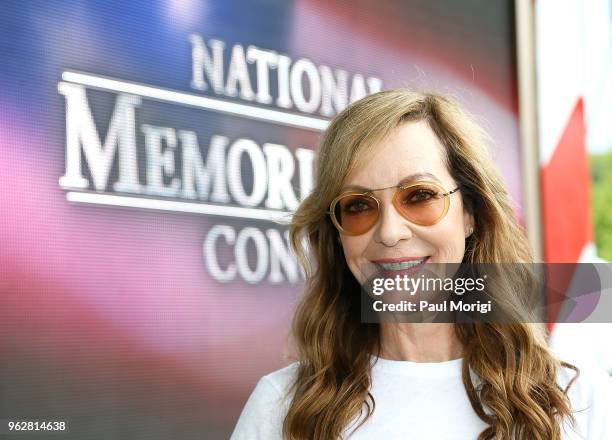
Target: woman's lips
401, 266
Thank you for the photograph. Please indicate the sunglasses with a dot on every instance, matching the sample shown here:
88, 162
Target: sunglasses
423, 203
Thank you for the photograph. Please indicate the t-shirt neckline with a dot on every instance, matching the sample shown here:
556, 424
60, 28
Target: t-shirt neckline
450, 368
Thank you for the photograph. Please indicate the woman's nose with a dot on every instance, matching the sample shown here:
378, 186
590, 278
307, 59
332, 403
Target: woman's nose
391, 226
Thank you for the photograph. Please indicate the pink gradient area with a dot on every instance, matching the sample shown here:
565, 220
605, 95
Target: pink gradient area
122, 296
365, 47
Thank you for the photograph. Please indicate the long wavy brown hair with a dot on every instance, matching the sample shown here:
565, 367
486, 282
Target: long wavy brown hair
517, 370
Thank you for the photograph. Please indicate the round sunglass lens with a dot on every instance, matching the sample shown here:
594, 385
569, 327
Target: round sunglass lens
356, 213
421, 204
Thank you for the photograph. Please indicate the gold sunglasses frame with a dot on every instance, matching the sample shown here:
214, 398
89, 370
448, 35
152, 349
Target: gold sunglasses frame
399, 187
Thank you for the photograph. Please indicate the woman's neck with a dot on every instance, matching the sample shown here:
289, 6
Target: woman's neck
420, 342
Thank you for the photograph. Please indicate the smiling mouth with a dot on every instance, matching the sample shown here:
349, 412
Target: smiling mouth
402, 265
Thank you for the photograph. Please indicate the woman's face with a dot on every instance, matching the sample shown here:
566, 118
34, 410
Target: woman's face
411, 150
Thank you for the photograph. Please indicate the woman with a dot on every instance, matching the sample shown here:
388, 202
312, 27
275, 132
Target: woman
412, 380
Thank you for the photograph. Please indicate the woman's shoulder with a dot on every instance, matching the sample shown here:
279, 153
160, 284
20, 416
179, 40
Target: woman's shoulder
591, 379
282, 378
274, 386
590, 396
263, 414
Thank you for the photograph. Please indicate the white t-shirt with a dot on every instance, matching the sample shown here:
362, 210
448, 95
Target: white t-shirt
425, 401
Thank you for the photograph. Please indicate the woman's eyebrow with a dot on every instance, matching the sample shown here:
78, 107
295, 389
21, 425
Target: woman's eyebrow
419, 176
409, 178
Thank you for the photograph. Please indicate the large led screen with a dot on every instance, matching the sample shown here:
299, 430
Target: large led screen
152, 153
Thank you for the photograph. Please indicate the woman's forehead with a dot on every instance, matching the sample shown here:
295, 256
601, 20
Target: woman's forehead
412, 151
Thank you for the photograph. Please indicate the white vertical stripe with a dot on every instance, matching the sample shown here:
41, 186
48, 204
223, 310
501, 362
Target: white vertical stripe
559, 35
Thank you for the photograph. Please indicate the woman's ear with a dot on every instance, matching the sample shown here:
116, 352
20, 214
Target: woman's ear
468, 224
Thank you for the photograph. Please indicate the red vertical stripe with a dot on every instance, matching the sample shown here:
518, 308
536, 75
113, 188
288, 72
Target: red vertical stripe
565, 181
566, 208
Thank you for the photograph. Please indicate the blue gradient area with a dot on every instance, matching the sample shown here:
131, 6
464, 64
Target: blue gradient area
141, 41
147, 42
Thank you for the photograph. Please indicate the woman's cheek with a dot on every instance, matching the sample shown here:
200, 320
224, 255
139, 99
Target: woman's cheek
447, 248
453, 252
